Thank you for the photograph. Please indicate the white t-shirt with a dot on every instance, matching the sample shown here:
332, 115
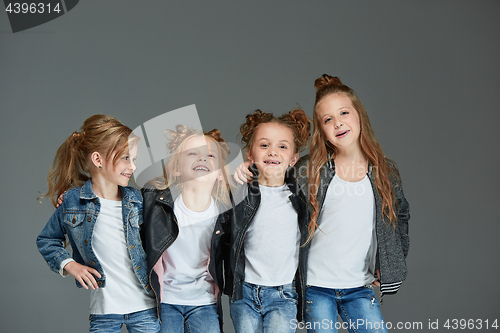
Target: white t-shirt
187, 280
271, 243
123, 292
343, 249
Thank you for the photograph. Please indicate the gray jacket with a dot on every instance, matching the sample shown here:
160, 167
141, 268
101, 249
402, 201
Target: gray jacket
392, 242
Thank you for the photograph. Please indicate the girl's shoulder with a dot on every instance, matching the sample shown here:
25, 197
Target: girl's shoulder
392, 172
133, 193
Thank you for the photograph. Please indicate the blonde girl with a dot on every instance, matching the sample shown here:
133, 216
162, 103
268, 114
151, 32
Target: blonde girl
358, 230
185, 222
100, 217
262, 281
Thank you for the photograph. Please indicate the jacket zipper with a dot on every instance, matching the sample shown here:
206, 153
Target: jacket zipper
241, 243
151, 271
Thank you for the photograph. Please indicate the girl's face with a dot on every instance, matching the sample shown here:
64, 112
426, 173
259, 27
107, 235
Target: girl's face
273, 150
339, 121
199, 160
120, 173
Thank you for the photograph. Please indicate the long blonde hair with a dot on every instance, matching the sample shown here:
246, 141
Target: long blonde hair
177, 141
72, 166
322, 151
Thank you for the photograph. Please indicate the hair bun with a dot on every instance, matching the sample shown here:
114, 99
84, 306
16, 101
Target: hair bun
176, 136
216, 135
326, 80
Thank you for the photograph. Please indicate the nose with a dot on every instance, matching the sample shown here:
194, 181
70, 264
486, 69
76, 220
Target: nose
272, 152
133, 167
338, 125
202, 158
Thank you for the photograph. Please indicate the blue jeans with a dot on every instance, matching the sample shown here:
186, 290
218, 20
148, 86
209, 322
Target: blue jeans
265, 309
136, 322
189, 319
358, 308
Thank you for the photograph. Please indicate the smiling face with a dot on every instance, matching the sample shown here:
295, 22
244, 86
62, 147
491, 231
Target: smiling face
272, 151
339, 121
121, 172
199, 160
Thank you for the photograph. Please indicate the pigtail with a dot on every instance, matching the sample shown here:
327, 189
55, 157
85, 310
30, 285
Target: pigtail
298, 121
253, 120
66, 170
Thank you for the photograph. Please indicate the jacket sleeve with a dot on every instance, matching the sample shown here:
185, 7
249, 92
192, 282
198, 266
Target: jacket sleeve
403, 218
403, 210
50, 241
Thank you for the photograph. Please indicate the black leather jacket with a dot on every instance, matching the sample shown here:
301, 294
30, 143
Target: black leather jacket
160, 230
241, 217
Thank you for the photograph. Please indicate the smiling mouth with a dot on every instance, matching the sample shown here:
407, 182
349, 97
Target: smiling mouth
272, 162
126, 175
201, 168
342, 134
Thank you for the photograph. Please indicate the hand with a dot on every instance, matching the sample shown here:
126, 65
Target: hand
60, 200
376, 283
242, 174
83, 274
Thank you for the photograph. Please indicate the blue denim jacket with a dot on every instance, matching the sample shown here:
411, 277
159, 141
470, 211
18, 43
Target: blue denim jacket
76, 218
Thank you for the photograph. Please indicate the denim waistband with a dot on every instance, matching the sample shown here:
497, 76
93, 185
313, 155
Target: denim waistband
251, 285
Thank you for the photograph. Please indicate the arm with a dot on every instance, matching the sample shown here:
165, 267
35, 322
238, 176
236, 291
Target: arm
403, 215
50, 241
50, 244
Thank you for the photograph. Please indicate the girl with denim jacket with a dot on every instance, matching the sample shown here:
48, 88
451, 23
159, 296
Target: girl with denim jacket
184, 227
358, 230
100, 217
266, 226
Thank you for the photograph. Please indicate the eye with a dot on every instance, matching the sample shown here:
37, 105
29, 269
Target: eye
344, 113
327, 120
282, 147
126, 158
264, 145
211, 155
191, 153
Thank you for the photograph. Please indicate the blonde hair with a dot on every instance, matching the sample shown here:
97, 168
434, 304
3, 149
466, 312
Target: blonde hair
72, 165
321, 151
177, 141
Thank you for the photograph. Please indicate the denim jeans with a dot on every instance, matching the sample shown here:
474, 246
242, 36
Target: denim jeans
265, 309
358, 308
189, 319
145, 321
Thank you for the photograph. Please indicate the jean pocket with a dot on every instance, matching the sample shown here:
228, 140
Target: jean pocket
288, 293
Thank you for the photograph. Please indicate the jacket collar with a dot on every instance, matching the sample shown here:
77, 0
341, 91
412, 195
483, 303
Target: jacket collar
331, 164
167, 197
87, 193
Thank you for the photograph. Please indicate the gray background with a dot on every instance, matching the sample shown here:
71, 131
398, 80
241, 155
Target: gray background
426, 71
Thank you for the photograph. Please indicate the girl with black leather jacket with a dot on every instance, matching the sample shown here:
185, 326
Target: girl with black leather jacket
184, 223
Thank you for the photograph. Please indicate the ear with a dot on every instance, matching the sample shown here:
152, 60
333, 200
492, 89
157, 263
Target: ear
96, 159
294, 159
249, 156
